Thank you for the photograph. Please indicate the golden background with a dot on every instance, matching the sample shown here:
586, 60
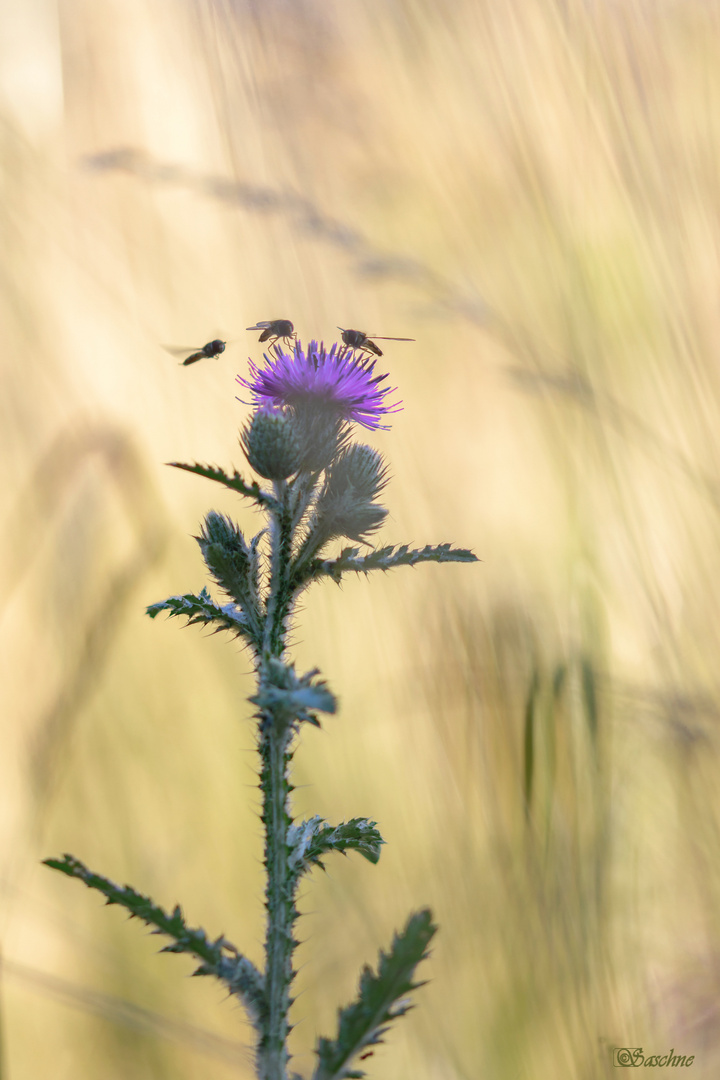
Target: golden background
531, 189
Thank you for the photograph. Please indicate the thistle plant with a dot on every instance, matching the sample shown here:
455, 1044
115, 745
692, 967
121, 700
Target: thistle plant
324, 487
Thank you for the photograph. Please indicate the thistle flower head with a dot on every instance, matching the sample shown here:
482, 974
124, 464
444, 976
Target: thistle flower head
335, 383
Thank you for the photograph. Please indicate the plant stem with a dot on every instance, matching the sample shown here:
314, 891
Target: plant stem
280, 901
275, 737
279, 594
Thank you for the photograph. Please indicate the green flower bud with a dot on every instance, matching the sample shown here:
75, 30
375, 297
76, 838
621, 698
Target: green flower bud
226, 554
359, 468
346, 506
271, 443
221, 530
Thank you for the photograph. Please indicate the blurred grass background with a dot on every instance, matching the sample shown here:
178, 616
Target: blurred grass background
532, 190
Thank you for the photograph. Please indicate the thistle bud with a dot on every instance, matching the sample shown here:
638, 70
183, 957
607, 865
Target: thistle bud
346, 506
361, 468
271, 443
219, 529
224, 550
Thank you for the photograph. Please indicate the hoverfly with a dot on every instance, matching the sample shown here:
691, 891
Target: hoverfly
275, 328
213, 348
357, 339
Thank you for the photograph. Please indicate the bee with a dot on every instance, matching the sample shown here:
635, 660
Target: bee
276, 328
357, 339
213, 348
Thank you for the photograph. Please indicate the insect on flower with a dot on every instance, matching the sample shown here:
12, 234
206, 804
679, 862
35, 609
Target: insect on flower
358, 339
276, 328
213, 348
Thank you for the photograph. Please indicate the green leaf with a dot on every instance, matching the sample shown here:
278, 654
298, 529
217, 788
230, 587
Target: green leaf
219, 958
291, 699
235, 566
235, 482
311, 840
381, 999
386, 558
203, 609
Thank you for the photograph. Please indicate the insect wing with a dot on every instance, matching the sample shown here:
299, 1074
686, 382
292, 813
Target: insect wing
381, 338
181, 350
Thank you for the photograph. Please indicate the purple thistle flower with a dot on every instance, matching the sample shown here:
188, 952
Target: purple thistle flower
337, 382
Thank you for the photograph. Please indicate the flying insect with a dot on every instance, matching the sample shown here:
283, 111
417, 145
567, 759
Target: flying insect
275, 329
213, 348
358, 339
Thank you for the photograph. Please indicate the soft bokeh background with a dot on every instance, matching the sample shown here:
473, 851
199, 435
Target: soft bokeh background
531, 189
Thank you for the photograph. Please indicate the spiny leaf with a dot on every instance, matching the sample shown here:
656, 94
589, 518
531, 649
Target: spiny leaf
235, 482
311, 840
219, 958
254, 570
203, 609
381, 999
292, 699
386, 558
234, 565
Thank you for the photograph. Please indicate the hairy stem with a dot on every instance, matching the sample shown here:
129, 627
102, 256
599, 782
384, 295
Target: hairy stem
276, 735
279, 899
280, 594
